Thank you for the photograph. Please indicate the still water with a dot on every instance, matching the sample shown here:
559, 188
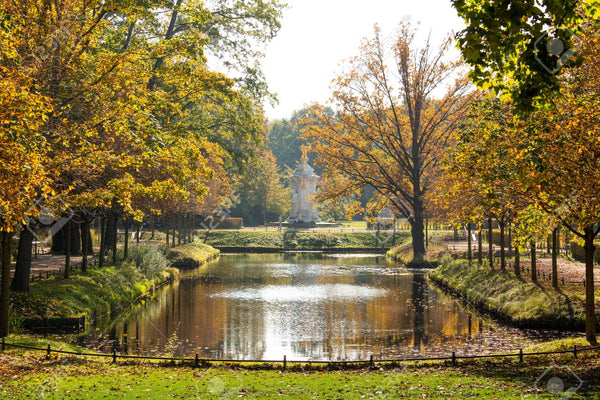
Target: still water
307, 306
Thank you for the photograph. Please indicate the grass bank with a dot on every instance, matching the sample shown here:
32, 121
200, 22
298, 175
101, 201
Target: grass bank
28, 375
101, 292
303, 240
402, 252
511, 298
198, 252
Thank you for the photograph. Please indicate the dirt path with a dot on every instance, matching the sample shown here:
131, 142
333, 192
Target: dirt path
48, 264
569, 270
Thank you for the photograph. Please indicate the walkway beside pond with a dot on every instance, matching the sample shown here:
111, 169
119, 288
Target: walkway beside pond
572, 271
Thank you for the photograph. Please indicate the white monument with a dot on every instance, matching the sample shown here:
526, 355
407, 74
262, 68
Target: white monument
304, 185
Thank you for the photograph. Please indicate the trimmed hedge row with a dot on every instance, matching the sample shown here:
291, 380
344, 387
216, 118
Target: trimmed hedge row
578, 252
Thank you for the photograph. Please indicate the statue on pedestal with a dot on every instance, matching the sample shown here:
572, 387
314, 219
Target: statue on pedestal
304, 185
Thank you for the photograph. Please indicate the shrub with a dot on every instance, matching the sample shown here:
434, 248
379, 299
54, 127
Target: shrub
148, 259
230, 223
578, 252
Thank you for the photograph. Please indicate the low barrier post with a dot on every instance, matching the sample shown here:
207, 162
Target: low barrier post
48, 351
520, 355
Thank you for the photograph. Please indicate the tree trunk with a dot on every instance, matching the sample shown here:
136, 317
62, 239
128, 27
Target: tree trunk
426, 234
502, 255
109, 230
85, 243
192, 226
5, 284
417, 233
166, 220
480, 244
115, 237
590, 317
152, 226
68, 249
138, 232
102, 241
469, 252
555, 258
20, 282
510, 249
490, 244
517, 260
126, 239
533, 262
59, 240
173, 231
179, 228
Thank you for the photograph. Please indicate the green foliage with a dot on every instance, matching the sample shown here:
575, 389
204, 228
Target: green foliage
263, 197
578, 252
148, 259
505, 43
284, 140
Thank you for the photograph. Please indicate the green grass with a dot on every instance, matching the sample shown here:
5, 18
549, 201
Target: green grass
517, 299
403, 252
196, 251
354, 224
102, 291
28, 375
302, 240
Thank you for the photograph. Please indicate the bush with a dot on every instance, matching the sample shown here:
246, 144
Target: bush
578, 252
230, 223
148, 259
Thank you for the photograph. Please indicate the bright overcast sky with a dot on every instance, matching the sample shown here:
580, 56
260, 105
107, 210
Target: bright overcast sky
316, 35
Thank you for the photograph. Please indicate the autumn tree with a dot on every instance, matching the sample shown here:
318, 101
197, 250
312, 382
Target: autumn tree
565, 159
389, 127
553, 162
23, 151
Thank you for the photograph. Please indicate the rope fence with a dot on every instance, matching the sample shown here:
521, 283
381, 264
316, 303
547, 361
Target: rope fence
196, 361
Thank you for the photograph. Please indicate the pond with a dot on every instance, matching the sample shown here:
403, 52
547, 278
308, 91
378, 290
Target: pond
307, 306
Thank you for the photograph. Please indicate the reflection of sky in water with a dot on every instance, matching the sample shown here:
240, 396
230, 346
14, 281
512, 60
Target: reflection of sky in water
307, 306
312, 293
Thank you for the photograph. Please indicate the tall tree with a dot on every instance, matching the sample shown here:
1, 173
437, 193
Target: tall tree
389, 128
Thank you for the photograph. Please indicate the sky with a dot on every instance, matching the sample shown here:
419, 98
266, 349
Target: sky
317, 35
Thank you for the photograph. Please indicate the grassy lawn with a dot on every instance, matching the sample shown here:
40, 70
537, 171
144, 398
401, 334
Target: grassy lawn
515, 297
302, 239
196, 251
27, 375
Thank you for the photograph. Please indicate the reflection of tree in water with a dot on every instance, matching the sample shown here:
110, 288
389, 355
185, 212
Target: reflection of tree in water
419, 302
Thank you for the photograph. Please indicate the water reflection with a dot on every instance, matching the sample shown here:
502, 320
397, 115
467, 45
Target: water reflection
306, 306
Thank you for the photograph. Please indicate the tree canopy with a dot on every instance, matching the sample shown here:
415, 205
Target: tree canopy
517, 48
